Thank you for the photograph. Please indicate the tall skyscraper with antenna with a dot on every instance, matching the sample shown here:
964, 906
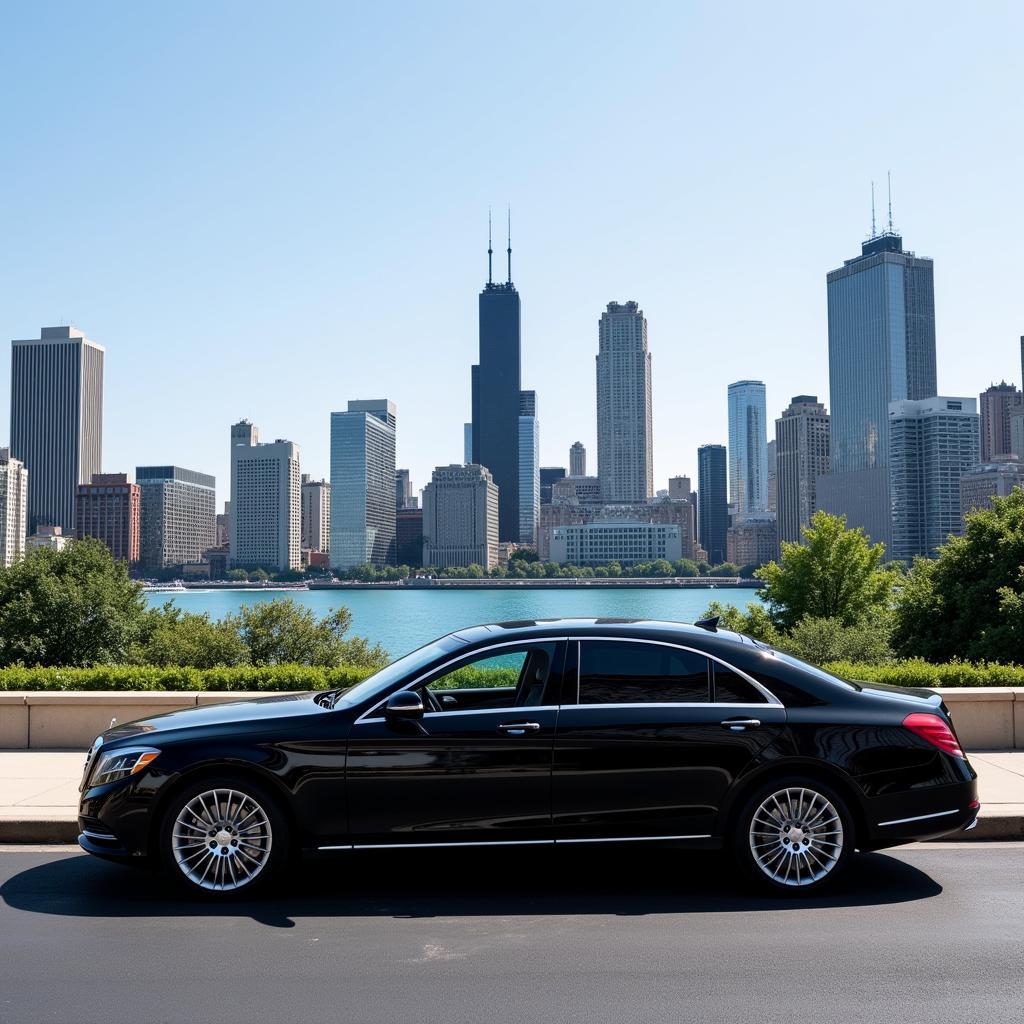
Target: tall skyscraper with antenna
881, 349
496, 387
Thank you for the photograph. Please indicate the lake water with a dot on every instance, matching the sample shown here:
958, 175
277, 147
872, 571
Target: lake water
403, 619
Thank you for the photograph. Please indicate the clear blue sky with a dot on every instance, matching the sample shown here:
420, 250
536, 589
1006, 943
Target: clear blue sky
266, 210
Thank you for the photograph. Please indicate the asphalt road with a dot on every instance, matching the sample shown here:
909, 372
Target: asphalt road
928, 933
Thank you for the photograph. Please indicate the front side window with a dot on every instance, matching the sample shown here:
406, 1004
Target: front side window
615, 672
511, 677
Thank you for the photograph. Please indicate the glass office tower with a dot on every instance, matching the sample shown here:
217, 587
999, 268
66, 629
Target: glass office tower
748, 449
881, 349
363, 485
712, 504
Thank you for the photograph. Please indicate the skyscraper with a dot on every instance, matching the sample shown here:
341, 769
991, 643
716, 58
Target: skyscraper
712, 503
266, 502
467, 443
316, 514
932, 443
881, 349
496, 380
56, 419
529, 468
577, 459
772, 491
548, 476
460, 517
801, 455
996, 403
625, 447
13, 508
178, 515
404, 497
363, 484
748, 455
108, 508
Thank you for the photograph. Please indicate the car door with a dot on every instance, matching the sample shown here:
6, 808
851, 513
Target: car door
475, 768
642, 750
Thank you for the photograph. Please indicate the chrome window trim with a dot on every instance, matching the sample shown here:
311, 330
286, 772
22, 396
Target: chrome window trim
463, 656
527, 709
667, 704
509, 842
761, 689
772, 701
918, 817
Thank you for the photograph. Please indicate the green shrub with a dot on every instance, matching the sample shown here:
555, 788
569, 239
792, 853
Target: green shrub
916, 672
148, 677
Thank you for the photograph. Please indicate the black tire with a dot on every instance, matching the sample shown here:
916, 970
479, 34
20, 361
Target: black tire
802, 844
239, 852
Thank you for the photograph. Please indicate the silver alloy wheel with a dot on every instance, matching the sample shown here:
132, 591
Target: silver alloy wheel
221, 839
796, 836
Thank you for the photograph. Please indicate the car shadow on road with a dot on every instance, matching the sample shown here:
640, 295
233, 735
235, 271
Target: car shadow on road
461, 883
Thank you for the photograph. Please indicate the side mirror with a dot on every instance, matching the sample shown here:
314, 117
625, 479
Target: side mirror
405, 705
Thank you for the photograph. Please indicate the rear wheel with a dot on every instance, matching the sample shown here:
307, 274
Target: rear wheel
223, 837
794, 835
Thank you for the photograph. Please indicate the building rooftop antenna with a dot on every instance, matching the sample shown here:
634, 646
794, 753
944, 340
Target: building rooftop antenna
873, 232
490, 250
510, 244
888, 175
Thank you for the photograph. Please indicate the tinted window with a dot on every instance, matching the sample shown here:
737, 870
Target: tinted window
624, 673
732, 688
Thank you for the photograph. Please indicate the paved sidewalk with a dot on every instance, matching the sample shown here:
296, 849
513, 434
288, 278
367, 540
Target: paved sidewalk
39, 795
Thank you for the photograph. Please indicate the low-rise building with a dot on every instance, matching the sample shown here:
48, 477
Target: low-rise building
48, 536
619, 540
996, 478
754, 540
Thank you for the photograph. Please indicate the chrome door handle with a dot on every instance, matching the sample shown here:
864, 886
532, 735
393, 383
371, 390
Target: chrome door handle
739, 724
518, 728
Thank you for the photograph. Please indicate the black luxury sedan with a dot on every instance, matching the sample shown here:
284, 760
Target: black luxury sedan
549, 732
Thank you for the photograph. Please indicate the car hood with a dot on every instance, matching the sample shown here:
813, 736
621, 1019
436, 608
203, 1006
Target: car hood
287, 705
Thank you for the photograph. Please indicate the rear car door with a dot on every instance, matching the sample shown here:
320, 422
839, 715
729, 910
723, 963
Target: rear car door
477, 768
643, 749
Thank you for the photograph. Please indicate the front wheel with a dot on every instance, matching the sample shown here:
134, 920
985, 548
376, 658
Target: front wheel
224, 837
794, 835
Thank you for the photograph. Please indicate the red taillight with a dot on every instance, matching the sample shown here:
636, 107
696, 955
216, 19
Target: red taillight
935, 731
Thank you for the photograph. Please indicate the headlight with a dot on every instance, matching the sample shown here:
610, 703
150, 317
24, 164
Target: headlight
119, 764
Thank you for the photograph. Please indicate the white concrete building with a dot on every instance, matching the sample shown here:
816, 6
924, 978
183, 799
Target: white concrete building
802, 455
529, 468
460, 517
988, 480
619, 540
266, 502
13, 508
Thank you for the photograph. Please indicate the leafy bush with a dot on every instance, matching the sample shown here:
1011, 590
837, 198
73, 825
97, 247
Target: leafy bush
148, 677
917, 672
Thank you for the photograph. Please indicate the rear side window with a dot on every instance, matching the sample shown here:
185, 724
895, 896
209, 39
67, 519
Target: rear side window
732, 688
612, 672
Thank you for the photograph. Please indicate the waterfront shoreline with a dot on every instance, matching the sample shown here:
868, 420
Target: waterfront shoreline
573, 583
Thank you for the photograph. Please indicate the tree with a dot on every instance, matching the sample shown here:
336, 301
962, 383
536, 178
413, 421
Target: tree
237, 574
75, 607
969, 602
283, 632
833, 574
174, 637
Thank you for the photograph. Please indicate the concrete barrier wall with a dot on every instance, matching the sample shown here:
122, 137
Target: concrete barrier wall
986, 718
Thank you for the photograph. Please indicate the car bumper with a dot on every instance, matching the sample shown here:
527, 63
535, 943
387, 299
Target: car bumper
916, 816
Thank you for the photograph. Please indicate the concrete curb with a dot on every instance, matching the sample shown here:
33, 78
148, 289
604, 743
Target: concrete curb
37, 831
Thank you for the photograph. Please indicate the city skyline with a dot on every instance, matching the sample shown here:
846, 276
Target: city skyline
217, 303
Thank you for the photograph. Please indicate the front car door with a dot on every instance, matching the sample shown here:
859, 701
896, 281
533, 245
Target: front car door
475, 768
643, 749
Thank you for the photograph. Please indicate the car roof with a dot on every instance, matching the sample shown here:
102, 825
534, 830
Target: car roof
645, 629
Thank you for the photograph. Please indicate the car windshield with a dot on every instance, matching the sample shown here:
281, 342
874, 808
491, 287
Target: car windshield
409, 664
